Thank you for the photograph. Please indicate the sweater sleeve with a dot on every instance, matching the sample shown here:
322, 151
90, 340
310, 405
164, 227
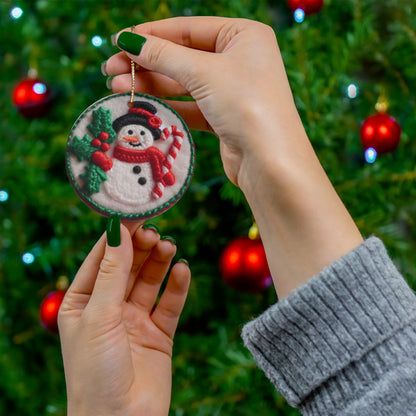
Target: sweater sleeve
344, 343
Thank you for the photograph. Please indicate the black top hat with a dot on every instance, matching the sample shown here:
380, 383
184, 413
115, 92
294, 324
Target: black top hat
142, 113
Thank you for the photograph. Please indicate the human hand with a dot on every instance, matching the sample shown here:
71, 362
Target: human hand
117, 350
233, 70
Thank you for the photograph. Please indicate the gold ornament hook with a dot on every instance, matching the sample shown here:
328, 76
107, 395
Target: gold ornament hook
133, 78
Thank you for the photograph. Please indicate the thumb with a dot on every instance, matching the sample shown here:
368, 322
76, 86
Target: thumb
178, 62
110, 286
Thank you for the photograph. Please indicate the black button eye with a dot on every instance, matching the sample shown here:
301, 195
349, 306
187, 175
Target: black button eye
142, 133
130, 132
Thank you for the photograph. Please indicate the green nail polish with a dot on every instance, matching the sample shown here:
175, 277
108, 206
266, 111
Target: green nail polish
168, 238
103, 69
183, 261
131, 42
150, 227
108, 82
113, 231
114, 39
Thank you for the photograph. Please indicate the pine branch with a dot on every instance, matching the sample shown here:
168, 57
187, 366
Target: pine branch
101, 122
92, 179
82, 149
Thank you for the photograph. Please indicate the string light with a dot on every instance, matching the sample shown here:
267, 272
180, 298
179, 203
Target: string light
299, 15
4, 195
16, 13
28, 258
370, 155
39, 88
97, 41
352, 91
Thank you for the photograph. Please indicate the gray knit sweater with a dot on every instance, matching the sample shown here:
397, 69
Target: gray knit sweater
345, 342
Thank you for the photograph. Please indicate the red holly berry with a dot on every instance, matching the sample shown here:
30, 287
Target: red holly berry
105, 147
96, 143
102, 160
103, 136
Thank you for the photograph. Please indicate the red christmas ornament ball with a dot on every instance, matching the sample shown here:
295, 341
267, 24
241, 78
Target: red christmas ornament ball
32, 98
308, 6
381, 132
49, 309
244, 266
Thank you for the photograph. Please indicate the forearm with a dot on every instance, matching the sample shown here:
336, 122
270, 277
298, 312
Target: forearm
303, 223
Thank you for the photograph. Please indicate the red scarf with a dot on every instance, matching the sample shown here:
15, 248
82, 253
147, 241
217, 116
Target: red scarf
152, 155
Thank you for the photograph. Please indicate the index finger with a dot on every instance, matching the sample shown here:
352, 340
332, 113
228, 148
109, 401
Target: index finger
197, 32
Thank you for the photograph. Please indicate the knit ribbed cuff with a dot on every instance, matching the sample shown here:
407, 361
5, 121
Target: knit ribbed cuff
345, 323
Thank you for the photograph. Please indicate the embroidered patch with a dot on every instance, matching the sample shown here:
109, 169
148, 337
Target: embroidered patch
134, 160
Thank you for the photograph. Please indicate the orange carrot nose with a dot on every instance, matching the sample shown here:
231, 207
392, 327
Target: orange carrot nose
132, 139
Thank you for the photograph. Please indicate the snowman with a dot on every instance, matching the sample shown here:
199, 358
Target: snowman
140, 169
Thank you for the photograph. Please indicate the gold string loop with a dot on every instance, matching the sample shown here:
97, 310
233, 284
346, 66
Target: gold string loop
133, 78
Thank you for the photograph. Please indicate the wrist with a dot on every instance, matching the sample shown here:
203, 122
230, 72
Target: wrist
303, 223
273, 151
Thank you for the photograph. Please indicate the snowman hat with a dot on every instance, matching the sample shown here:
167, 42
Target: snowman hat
142, 113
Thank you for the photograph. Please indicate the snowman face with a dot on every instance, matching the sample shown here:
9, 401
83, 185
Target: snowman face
135, 136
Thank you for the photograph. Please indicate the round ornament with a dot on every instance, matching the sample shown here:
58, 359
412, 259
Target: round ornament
32, 98
131, 156
244, 265
380, 132
49, 309
308, 6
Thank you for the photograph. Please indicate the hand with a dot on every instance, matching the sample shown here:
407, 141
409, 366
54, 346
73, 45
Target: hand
117, 352
234, 71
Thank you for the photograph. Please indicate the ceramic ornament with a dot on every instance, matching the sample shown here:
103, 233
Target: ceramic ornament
132, 156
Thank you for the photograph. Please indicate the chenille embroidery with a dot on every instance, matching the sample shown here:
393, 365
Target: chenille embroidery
95, 175
86, 149
161, 164
118, 170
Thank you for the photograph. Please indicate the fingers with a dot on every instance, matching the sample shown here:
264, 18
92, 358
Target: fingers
144, 240
148, 83
114, 271
84, 280
133, 226
191, 114
169, 309
152, 273
193, 32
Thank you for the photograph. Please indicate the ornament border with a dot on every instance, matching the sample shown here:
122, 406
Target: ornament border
107, 211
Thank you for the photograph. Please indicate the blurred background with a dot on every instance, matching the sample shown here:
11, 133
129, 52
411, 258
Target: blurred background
347, 60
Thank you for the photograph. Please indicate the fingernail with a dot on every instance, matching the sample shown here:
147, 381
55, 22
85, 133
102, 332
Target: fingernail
131, 42
150, 227
168, 238
114, 39
113, 231
183, 261
103, 69
108, 82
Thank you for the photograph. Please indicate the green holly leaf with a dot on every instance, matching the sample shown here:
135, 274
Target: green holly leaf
102, 122
92, 178
81, 148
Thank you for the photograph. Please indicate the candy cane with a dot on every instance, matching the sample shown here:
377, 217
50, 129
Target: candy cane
170, 157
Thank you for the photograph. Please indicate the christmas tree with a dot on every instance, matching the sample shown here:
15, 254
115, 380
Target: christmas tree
341, 60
